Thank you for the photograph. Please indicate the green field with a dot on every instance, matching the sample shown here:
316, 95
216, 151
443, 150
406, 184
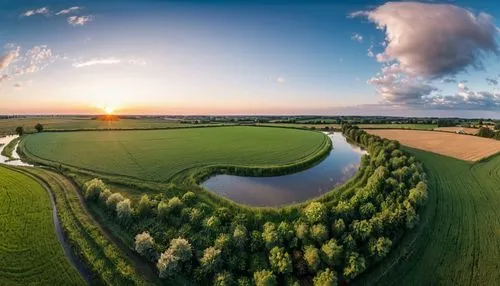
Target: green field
8, 126
30, 252
157, 155
458, 241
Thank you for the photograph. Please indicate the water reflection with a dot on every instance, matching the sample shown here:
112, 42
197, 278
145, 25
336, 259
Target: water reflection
340, 165
15, 160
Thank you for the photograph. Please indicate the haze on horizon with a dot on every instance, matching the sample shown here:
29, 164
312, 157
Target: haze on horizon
202, 57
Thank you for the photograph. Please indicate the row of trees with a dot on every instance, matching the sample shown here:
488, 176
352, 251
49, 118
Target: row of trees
333, 239
20, 130
489, 133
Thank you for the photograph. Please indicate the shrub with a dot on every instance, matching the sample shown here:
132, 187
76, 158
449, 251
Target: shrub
280, 260
213, 223
264, 278
326, 277
104, 195
240, 236
113, 201
189, 198
244, 281
331, 252
355, 265
302, 230
124, 211
315, 212
39, 127
223, 241
162, 210
93, 188
211, 259
144, 207
319, 233
380, 247
145, 245
223, 279
168, 264
174, 205
181, 248
270, 235
311, 256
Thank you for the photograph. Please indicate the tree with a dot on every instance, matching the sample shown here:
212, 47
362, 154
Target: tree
315, 212
280, 260
326, 277
144, 206
380, 247
338, 227
270, 235
189, 198
39, 127
486, 132
113, 201
497, 126
124, 211
104, 195
211, 259
168, 264
319, 233
361, 229
311, 256
285, 231
223, 279
302, 231
223, 242
174, 205
331, 252
256, 242
240, 236
181, 248
355, 265
264, 278
162, 210
418, 195
19, 130
145, 245
92, 189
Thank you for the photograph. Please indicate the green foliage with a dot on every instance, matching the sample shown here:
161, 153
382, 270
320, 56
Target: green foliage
189, 198
211, 259
19, 130
124, 211
331, 252
380, 247
240, 236
315, 212
270, 235
319, 233
355, 265
280, 260
39, 127
312, 257
113, 201
93, 188
264, 278
223, 279
144, 207
486, 132
326, 277
145, 245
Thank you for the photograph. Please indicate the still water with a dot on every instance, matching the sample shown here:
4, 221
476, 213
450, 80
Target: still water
340, 165
15, 160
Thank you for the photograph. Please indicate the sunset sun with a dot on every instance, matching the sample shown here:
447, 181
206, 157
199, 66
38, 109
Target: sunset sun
108, 109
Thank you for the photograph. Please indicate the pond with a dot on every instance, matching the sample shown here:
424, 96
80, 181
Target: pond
340, 165
15, 160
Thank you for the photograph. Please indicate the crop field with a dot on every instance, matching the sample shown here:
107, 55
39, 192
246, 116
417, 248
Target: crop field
159, 154
8, 126
464, 147
30, 253
363, 126
458, 241
466, 130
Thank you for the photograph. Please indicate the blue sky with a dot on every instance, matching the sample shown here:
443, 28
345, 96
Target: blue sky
236, 58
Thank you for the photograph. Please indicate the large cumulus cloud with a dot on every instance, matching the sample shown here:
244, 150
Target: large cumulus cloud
425, 42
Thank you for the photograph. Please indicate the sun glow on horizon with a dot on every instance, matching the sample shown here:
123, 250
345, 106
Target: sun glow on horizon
109, 109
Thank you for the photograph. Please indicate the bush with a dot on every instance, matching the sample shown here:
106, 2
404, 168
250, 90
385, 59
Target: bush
223, 279
326, 277
168, 264
380, 247
189, 198
174, 205
93, 188
240, 236
264, 278
355, 265
315, 212
39, 127
144, 207
104, 195
486, 132
145, 245
319, 233
311, 256
211, 259
270, 235
113, 201
181, 248
124, 211
280, 260
331, 252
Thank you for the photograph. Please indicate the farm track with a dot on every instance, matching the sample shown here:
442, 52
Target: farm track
458, 240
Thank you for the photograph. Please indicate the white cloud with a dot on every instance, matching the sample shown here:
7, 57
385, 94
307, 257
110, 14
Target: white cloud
280, 80
426, 42
8, 58
79, 20
107, 61
357, 37
69, 10
42, 11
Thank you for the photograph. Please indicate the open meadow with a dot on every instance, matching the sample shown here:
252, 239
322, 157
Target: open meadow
30, 253
158, 155
464, 147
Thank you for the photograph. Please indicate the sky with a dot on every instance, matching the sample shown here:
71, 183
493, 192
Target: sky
250, 57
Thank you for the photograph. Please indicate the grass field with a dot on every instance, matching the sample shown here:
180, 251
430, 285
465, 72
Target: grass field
458, 240
8, 126
363, 126
465, 147
158, 155
30, 253
466, 130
